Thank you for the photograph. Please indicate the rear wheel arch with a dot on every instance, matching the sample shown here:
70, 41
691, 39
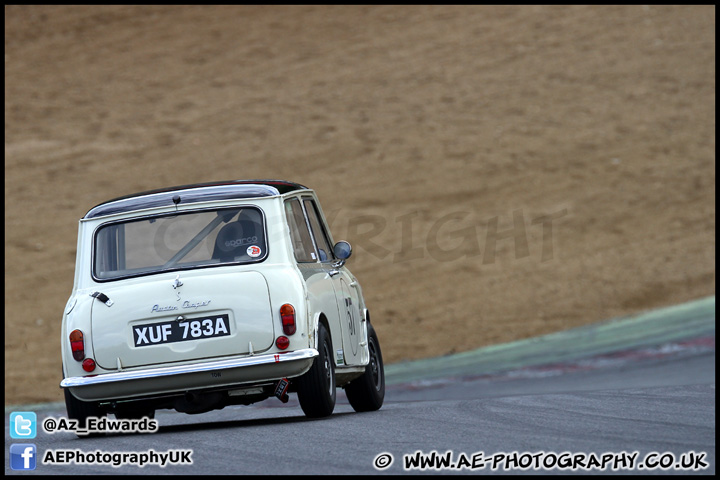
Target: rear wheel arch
321, 320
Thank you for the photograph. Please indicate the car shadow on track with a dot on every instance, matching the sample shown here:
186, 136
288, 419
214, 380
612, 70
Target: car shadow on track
244, 423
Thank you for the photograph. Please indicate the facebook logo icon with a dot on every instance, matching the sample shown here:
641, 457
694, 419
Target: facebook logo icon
22, 456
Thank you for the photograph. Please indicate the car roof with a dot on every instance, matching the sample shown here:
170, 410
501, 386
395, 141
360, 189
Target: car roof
198, 192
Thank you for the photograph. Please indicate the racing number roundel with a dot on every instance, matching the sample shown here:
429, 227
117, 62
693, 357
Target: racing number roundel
350, 317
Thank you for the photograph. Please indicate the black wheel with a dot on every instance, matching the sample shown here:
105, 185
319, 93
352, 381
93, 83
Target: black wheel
366, 393
80, 410
316, 388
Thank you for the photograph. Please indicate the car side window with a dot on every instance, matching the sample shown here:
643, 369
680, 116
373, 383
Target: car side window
323, 244
299, 233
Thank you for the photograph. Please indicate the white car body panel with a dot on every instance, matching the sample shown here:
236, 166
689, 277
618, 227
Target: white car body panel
242, 296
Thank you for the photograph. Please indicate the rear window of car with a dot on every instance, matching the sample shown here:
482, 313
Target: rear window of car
178, 242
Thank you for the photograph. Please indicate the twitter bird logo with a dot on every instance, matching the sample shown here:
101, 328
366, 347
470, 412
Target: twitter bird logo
23, 425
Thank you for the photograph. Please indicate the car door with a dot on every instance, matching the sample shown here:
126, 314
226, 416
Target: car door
346, 295
321, 293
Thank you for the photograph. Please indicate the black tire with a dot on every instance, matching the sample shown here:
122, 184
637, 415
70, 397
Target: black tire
316, 388
366, 393
80, 410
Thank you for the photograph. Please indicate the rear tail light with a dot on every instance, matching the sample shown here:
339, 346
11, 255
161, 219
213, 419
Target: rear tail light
287, 313
77, 344
88, 365
282, 342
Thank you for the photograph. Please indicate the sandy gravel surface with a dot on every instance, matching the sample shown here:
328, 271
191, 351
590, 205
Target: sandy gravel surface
502, 172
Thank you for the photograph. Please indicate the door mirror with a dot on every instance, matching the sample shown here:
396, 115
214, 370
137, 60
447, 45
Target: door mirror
342, 250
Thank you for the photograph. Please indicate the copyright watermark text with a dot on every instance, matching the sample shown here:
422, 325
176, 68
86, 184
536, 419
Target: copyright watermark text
688, 461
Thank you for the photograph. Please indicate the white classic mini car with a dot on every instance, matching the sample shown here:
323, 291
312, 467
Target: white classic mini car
201, 296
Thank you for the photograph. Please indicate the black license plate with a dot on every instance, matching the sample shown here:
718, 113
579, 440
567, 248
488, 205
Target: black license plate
183, 331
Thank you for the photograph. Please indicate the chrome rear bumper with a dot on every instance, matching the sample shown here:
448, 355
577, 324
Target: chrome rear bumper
163, 380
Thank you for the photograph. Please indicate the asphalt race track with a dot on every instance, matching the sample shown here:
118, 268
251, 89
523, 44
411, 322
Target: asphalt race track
649, 403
